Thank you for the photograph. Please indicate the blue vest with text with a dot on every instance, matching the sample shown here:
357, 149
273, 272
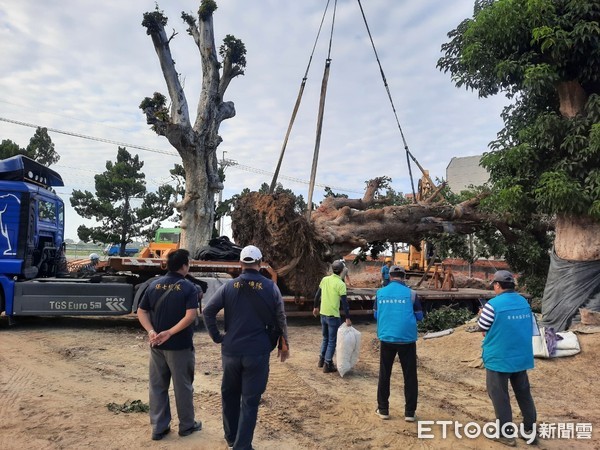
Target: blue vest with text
396, 322
507, 346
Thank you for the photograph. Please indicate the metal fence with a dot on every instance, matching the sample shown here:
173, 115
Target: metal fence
75, 251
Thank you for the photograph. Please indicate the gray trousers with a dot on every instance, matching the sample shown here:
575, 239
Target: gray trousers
177, 365
497, 388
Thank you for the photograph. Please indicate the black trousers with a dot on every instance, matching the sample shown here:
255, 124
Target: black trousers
497, 387
407, 354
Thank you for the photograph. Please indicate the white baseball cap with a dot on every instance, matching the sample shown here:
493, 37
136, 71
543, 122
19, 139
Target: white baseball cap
250, 254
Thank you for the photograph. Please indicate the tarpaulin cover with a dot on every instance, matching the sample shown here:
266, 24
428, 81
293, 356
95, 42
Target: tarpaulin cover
219, 249
570, 285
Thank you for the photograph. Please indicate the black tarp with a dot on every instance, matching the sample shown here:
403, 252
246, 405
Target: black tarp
570, 285
219, 249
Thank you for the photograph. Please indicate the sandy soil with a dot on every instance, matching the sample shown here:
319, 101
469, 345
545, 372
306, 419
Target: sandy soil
57, 376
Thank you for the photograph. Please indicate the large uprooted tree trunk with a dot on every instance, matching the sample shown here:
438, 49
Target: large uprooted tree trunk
300, 249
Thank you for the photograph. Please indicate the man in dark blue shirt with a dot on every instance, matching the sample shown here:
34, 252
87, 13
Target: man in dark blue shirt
167, 311
245, 346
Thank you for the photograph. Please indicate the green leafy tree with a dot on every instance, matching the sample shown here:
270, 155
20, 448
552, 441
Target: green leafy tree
195, 138
40, 148
544, 164
118, 188
9, 148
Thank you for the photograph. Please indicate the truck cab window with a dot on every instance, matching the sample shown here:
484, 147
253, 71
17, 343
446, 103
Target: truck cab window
47, 211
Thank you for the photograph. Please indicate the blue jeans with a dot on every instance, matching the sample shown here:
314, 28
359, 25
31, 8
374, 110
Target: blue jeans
244, 381
329, 326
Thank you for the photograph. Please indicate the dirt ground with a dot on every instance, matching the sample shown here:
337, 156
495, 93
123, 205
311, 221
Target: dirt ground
57, 376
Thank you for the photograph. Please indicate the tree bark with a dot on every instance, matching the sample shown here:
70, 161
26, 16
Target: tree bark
300, 249
572, 98
577, 238
196, 144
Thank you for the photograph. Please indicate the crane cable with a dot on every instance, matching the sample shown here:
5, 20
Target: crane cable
387, 88
296, 106
313, 172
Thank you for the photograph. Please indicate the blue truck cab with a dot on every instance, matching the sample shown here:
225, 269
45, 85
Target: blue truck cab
113, 250
33, 269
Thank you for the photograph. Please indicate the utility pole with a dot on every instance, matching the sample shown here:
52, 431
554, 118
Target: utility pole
224, 163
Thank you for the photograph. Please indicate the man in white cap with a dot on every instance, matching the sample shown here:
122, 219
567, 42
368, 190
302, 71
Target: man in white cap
245, 346
508, 324
90, 268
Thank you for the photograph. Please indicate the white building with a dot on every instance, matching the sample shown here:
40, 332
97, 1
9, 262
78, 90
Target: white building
465, 171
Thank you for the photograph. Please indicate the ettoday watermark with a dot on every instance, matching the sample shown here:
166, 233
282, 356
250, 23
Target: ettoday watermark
429, 429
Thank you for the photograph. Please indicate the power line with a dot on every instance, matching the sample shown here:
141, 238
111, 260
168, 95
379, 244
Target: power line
297, 180
153, 150
91, 138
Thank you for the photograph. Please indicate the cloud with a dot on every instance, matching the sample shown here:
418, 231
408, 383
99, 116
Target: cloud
84, 68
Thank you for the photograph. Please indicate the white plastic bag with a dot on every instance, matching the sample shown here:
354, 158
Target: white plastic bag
540, 348
568, 345
347, 348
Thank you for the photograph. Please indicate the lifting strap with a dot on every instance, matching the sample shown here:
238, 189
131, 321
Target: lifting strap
313, 172
408, 153
296, 106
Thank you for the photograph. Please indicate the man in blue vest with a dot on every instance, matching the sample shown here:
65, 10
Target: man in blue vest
508, 324
385, 271
397, 310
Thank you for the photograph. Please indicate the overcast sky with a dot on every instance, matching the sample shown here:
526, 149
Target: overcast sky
83, 67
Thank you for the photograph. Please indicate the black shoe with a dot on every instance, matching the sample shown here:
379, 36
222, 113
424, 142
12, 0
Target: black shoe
329, 367
197, 427
526, 439
321, 362
159, 436
383, 414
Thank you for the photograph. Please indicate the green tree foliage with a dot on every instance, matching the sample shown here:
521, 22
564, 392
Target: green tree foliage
543, 161
118, 188
40, 148
443, 318
9, 148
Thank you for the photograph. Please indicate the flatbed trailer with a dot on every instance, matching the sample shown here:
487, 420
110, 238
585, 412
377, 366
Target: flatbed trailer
361, 300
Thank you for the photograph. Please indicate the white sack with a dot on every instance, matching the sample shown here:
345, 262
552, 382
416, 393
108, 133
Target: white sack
347, 348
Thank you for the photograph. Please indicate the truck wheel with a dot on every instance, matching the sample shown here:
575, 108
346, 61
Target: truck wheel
1, 301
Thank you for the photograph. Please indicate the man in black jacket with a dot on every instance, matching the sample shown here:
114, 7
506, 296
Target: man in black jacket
167, 311
245, 346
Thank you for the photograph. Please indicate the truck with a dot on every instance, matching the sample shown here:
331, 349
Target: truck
34, 276
165, 240
113, 250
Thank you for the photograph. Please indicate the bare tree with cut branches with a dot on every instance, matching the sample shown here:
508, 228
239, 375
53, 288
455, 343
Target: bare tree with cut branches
195, 139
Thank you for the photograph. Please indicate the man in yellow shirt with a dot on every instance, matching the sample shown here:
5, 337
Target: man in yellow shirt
332, 291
